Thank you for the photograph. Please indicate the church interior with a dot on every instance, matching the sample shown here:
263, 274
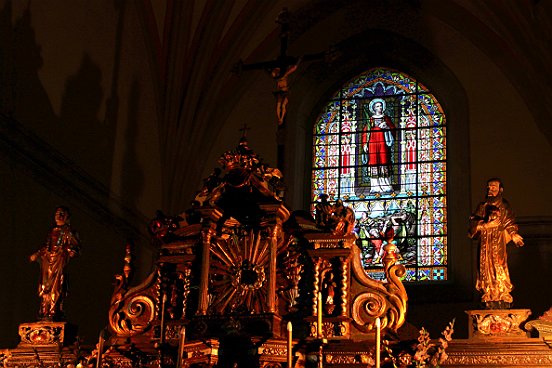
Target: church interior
120, 110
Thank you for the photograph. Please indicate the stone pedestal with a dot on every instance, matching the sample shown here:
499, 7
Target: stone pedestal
497, 323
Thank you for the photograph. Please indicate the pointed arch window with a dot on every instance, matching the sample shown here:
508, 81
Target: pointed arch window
379, 144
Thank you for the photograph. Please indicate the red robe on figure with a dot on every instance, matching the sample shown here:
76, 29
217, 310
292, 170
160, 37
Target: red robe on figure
379, 153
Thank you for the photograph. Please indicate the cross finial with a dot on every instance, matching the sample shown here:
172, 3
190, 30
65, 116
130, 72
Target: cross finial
244, 130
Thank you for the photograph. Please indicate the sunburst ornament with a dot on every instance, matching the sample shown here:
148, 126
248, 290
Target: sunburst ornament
238, 273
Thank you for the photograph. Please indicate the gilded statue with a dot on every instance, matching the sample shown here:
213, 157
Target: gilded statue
493, 223
338, 218
323, 213
61, 245
344, 218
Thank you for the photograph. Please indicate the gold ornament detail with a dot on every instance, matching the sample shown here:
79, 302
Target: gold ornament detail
132, 311
498, 323
385, 300
41, 334
238, 274
501, 359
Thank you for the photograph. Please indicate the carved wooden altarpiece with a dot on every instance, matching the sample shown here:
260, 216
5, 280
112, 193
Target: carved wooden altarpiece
235, 268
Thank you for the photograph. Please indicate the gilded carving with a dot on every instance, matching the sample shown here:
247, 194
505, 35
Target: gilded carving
291, 269
62, 244
337, 218
41, 333
273, 350
543, 325
132, 311
367, 305
271, 365
385, 300
330, 329
493, 223
341, 359
491, 323
501, 359
345, 284
239, 262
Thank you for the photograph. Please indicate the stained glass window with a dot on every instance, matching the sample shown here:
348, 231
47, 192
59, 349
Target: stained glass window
380, 146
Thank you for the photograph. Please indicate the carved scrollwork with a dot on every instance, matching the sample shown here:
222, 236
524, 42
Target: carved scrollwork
132, 311
366, 307
387, 300
135, 317
397, 296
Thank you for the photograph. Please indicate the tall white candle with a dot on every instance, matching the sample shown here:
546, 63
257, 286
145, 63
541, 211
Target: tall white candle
378, 342
162, 327
100, 349
319, 315
289, 345
181, 347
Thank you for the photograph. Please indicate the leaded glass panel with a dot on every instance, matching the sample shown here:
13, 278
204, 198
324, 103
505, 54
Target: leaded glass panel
380, 146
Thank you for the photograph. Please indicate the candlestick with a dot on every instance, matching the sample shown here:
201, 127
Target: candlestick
181, 347
100, 349
319, 315
378, 342
289, 345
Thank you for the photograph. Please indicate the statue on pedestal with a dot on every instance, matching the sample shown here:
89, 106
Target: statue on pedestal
493, 223
337, 218
61, 244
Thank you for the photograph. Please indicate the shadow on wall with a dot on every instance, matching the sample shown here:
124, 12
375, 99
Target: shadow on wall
133, 180
82, 135
77, 133
531, 272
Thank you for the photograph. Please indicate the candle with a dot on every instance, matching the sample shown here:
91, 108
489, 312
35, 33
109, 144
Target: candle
162, 327
319, 315
100, 349
181, 347
378, 341
289, 345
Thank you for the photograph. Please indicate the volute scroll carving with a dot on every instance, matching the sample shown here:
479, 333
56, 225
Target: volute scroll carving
386, 300
132, 310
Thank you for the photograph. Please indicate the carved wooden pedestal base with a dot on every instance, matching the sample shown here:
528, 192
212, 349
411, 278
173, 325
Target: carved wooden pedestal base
43, 344
46, 333
497, 323
473, 353
497, 339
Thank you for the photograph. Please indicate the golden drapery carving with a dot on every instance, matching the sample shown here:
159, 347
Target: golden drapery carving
493, 223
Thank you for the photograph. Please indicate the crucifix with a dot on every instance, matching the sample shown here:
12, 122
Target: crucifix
280, 69
244, 130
